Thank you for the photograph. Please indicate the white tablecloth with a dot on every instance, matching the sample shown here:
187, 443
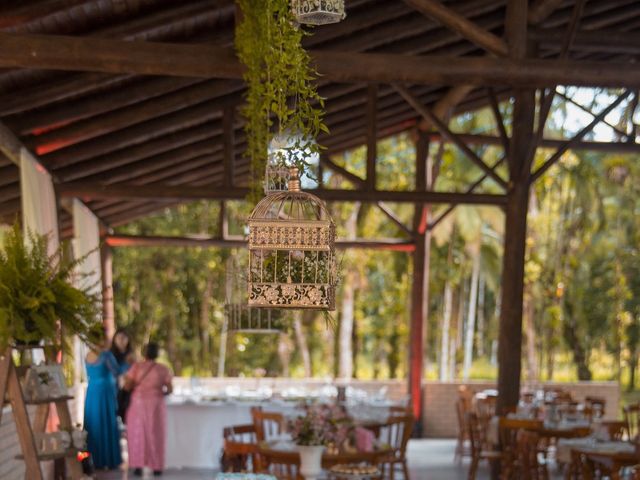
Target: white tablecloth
194, 429
565, 445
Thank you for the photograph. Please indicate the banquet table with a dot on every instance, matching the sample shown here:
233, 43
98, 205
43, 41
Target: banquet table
196, 426
282, 449
565, 446
558, 430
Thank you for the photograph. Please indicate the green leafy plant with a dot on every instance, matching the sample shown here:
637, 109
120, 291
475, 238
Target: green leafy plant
37, 298
281, 98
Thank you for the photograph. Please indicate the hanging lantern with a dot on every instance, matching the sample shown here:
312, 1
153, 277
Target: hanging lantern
291, 251
239, 317
318, 12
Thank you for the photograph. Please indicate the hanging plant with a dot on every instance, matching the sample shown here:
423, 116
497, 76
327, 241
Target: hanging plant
281, 98
37, 295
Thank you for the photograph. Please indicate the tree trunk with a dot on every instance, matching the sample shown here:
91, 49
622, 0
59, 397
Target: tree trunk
480, 336
284, 353
572, 337
529, 321
446, 329
471, 317
633, 365
172, 351
301, 339
205, 339
345, 367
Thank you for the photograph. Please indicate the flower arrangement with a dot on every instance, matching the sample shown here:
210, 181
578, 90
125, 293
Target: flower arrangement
322, 425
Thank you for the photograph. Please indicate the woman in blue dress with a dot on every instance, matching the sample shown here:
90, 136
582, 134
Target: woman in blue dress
100, 410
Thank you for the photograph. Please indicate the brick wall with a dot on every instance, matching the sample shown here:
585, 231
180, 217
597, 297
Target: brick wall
439, 415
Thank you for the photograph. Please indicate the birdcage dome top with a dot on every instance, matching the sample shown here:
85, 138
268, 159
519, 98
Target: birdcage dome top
291, 206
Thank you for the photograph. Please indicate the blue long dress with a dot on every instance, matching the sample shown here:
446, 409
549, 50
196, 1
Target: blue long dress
100, 410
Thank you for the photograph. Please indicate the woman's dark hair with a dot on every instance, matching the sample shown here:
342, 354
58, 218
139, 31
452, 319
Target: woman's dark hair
151, 351
121, 357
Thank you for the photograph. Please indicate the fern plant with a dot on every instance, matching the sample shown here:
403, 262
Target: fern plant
281, 98
37, 298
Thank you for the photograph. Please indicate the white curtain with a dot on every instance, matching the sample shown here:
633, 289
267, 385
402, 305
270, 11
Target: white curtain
39, 207
86, 243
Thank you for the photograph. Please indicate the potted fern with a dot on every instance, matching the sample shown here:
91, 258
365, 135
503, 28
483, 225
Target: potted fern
38, 300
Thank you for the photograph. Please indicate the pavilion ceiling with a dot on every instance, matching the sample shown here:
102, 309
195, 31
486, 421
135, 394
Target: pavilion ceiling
114, 128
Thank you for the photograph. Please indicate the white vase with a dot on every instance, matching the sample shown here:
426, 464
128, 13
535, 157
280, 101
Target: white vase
310, 461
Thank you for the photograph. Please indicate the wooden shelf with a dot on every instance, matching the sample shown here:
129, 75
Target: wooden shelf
49, 400
53, 456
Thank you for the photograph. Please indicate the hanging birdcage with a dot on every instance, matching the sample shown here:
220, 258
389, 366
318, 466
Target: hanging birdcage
291, 251
318, 12
239, 316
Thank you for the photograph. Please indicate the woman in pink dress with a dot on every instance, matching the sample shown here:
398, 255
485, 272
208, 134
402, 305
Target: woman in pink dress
147, 415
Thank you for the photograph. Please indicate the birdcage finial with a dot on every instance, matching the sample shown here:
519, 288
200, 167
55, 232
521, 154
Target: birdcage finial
294, 179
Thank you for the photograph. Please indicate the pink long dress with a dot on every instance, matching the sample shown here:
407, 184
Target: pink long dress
147, 415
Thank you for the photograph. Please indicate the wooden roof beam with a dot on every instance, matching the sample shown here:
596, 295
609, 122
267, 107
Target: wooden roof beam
207, 61
217, 192
461, 25
540, 10
391, 244
448, 134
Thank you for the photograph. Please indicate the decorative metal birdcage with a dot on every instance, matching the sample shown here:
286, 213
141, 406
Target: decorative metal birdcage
292, 260
239, 316
318, 12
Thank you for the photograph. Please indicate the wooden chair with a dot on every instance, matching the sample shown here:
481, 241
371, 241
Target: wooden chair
527, 450
595, 406
240, 449
479, 450
508, 431
614, 429
267, 424
396, 432
462, 443
632, 420
282, 465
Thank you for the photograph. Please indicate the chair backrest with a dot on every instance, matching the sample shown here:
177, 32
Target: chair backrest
613, 428
466, 394
396, 432
596, 405
461, 411
267, 424
632, 418
239, 449
399, 410
509, 428
485, 408
282, 465
474, 432
527, 454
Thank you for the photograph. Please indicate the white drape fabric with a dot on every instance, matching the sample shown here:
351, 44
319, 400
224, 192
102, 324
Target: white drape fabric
86, 243
39, 207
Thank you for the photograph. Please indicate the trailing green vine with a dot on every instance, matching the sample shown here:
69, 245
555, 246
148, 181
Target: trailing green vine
281, 98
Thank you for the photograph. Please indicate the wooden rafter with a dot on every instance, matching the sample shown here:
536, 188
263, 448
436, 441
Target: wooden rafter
577, 137
202, 241
541, 9
497, 115
217, 192
461, 25
372, 136
229, 145
448, 134
207, 61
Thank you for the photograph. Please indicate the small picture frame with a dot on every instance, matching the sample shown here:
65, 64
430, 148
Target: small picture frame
44, 382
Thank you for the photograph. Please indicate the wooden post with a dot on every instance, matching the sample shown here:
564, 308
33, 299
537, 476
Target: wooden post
417, 327
108, 312
519, 158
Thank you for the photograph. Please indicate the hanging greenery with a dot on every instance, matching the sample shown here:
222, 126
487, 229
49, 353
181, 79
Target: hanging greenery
37, 295
281, 99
